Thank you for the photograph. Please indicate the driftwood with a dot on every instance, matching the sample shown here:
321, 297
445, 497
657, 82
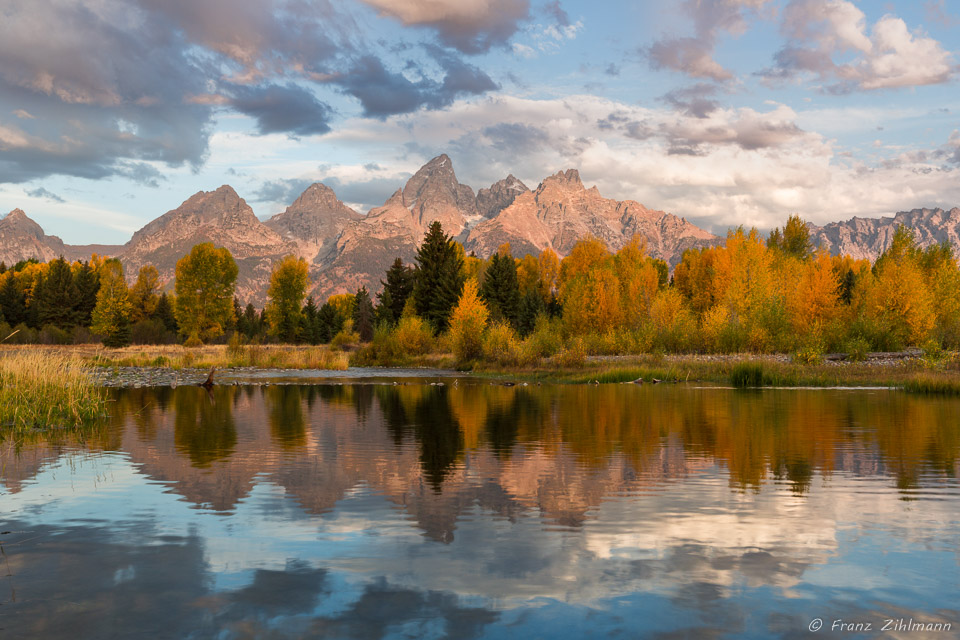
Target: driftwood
206, 384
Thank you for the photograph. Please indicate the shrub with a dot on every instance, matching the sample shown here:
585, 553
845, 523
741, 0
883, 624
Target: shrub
414, 336
346, 338
501, 345
811, 353
857, 349
51, 334
151, 332
546, 339
574, 355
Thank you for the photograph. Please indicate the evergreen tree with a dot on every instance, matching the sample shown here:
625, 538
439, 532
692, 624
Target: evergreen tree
311, 333
329, 322
252, 322
88, 284
794, 240
164, 313
363, 315
396, 289
13, 300
438, 278
3, 267
33, 303
59, 296
384, 311
531, 306
501, 289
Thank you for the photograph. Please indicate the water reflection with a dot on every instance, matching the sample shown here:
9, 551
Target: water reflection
325, 510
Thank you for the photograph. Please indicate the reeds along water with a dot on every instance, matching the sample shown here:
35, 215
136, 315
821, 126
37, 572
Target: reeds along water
42, 390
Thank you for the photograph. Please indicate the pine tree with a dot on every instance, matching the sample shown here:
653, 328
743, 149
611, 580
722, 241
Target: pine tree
88, 284
311, 331
531, 307
13, 300
438, 278
363, 315
164, 313
397, 287
501, 289
59, 297
329, 322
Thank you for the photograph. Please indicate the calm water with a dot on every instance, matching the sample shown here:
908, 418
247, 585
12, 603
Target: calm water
474, 510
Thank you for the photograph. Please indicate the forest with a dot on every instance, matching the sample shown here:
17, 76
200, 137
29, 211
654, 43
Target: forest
774, 294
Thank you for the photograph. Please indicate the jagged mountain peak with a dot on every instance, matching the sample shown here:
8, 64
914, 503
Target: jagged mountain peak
568, 178
499, 196
16, 214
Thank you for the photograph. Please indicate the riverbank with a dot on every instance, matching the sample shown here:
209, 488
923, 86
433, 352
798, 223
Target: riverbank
177, 365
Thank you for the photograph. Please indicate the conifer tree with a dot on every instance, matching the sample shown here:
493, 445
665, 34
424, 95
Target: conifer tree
501, 289
58, 297
88, 284
363, 315
311, 333
329, 322
164, 313
396, 289
438, 278
13, 300
111, 316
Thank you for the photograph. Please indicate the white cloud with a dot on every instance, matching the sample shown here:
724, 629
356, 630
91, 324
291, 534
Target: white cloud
889, 56
736, 166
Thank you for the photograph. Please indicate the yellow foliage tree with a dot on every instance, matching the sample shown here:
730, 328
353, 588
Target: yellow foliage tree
467, 322
111, 316
143, 294
204, 287
288, 286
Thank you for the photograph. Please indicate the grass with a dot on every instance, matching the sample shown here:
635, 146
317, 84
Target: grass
220, 356
43, 390
747, 374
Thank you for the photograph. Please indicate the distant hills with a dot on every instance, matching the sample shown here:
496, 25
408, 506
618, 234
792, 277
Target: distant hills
347, 250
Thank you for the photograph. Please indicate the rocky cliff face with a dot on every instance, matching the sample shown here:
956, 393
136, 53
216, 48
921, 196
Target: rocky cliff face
221, 217
314, 222
561, 211
21, 239
867, 238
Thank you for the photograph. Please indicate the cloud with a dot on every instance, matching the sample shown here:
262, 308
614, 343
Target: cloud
735, 166
384, 93
283, 109
695, 100
694, 55
470, 26
129, 85
40, 192
822, 35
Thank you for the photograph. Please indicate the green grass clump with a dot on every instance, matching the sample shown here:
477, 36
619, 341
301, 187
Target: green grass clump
744, 375
47, 390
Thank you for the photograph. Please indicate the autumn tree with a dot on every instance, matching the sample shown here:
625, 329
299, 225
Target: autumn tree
143, 294
794, 240
438, 277
467, 322
288, 285
111, 316
204, 288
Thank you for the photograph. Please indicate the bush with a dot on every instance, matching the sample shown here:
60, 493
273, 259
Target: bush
546, 339
151, 332
51, 334
809, 354
21, 334
414, 336
573, 355
346, 338
857, 349
83, 335
501, 345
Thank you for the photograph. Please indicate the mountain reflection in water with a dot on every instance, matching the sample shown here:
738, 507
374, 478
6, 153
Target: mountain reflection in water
479, 510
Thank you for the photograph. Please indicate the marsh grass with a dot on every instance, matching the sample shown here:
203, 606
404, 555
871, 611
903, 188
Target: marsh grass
45, 390
223, 357
745, 375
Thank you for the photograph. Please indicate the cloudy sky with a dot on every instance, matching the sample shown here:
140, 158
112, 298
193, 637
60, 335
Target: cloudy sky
724, 111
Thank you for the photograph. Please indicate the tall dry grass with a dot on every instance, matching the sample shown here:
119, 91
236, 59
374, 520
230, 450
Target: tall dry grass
46, 389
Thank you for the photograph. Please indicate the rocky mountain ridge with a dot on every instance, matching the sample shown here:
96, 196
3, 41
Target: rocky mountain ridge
346, 250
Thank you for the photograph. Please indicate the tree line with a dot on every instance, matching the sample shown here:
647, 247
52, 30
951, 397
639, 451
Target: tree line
774, 294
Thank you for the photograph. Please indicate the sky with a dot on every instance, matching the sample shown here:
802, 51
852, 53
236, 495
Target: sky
726, 112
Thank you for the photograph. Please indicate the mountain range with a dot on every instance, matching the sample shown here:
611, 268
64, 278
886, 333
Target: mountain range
346, 250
